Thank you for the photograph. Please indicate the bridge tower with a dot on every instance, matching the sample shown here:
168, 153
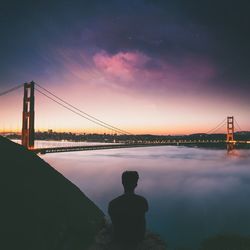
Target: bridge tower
230, 129
28, 131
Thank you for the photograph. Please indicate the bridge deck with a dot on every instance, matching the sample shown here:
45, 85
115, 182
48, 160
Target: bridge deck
125, 145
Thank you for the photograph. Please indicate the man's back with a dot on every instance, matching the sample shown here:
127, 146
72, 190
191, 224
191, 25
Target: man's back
127, 213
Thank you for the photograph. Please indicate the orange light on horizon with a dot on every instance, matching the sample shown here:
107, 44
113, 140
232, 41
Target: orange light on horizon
137, 113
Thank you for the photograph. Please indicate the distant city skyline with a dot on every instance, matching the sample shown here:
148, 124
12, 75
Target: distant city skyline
156, 67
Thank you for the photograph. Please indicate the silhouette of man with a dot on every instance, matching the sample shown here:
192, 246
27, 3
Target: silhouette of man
127, 212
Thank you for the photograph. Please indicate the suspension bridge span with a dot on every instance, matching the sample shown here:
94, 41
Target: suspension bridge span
28, 126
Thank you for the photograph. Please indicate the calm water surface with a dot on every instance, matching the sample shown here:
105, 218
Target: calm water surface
192, 193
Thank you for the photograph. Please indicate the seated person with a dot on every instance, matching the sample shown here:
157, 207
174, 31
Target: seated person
127, 212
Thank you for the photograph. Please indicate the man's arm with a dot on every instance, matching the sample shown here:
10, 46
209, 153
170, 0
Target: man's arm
146, 208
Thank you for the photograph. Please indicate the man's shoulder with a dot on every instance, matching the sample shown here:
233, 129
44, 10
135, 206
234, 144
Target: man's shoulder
139, 197
134, 200
116, 200
125, 197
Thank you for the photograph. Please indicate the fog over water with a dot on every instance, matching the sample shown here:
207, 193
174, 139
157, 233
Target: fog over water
193, 193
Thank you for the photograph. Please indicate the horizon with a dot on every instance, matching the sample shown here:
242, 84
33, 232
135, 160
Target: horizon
17, 132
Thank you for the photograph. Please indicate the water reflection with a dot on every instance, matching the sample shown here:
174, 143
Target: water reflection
193, 193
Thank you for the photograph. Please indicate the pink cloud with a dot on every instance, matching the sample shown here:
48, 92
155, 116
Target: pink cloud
122, 65
139, 68
134, 70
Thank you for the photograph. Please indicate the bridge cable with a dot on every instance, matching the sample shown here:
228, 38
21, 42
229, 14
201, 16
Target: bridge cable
222, 125
92, 117
217, 127
238, 125
12, 89
64, 106
214, 131
76, 112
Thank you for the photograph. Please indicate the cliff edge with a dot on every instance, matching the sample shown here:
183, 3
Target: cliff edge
40, 209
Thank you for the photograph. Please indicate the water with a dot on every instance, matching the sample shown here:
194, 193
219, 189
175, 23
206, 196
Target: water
193, 193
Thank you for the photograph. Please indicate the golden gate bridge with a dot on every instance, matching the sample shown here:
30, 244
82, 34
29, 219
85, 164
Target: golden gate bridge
28, 126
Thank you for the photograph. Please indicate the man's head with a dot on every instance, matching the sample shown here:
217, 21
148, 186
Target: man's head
129, 180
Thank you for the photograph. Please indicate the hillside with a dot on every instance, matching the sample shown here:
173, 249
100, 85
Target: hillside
41, 209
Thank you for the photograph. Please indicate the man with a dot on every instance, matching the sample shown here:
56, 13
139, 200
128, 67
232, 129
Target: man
127, 212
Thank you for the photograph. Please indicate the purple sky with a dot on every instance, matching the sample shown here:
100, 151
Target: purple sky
144, 66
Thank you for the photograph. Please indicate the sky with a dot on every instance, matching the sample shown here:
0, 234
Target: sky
159, 67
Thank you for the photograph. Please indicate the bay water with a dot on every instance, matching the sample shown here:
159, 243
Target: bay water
193, 193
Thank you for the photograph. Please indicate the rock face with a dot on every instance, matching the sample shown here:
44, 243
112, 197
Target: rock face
40, 209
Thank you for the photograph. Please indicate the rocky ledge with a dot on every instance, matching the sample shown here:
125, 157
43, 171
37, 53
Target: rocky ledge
40, 209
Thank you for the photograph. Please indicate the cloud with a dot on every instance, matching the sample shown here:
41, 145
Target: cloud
168, 31
123, 65
145, 71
